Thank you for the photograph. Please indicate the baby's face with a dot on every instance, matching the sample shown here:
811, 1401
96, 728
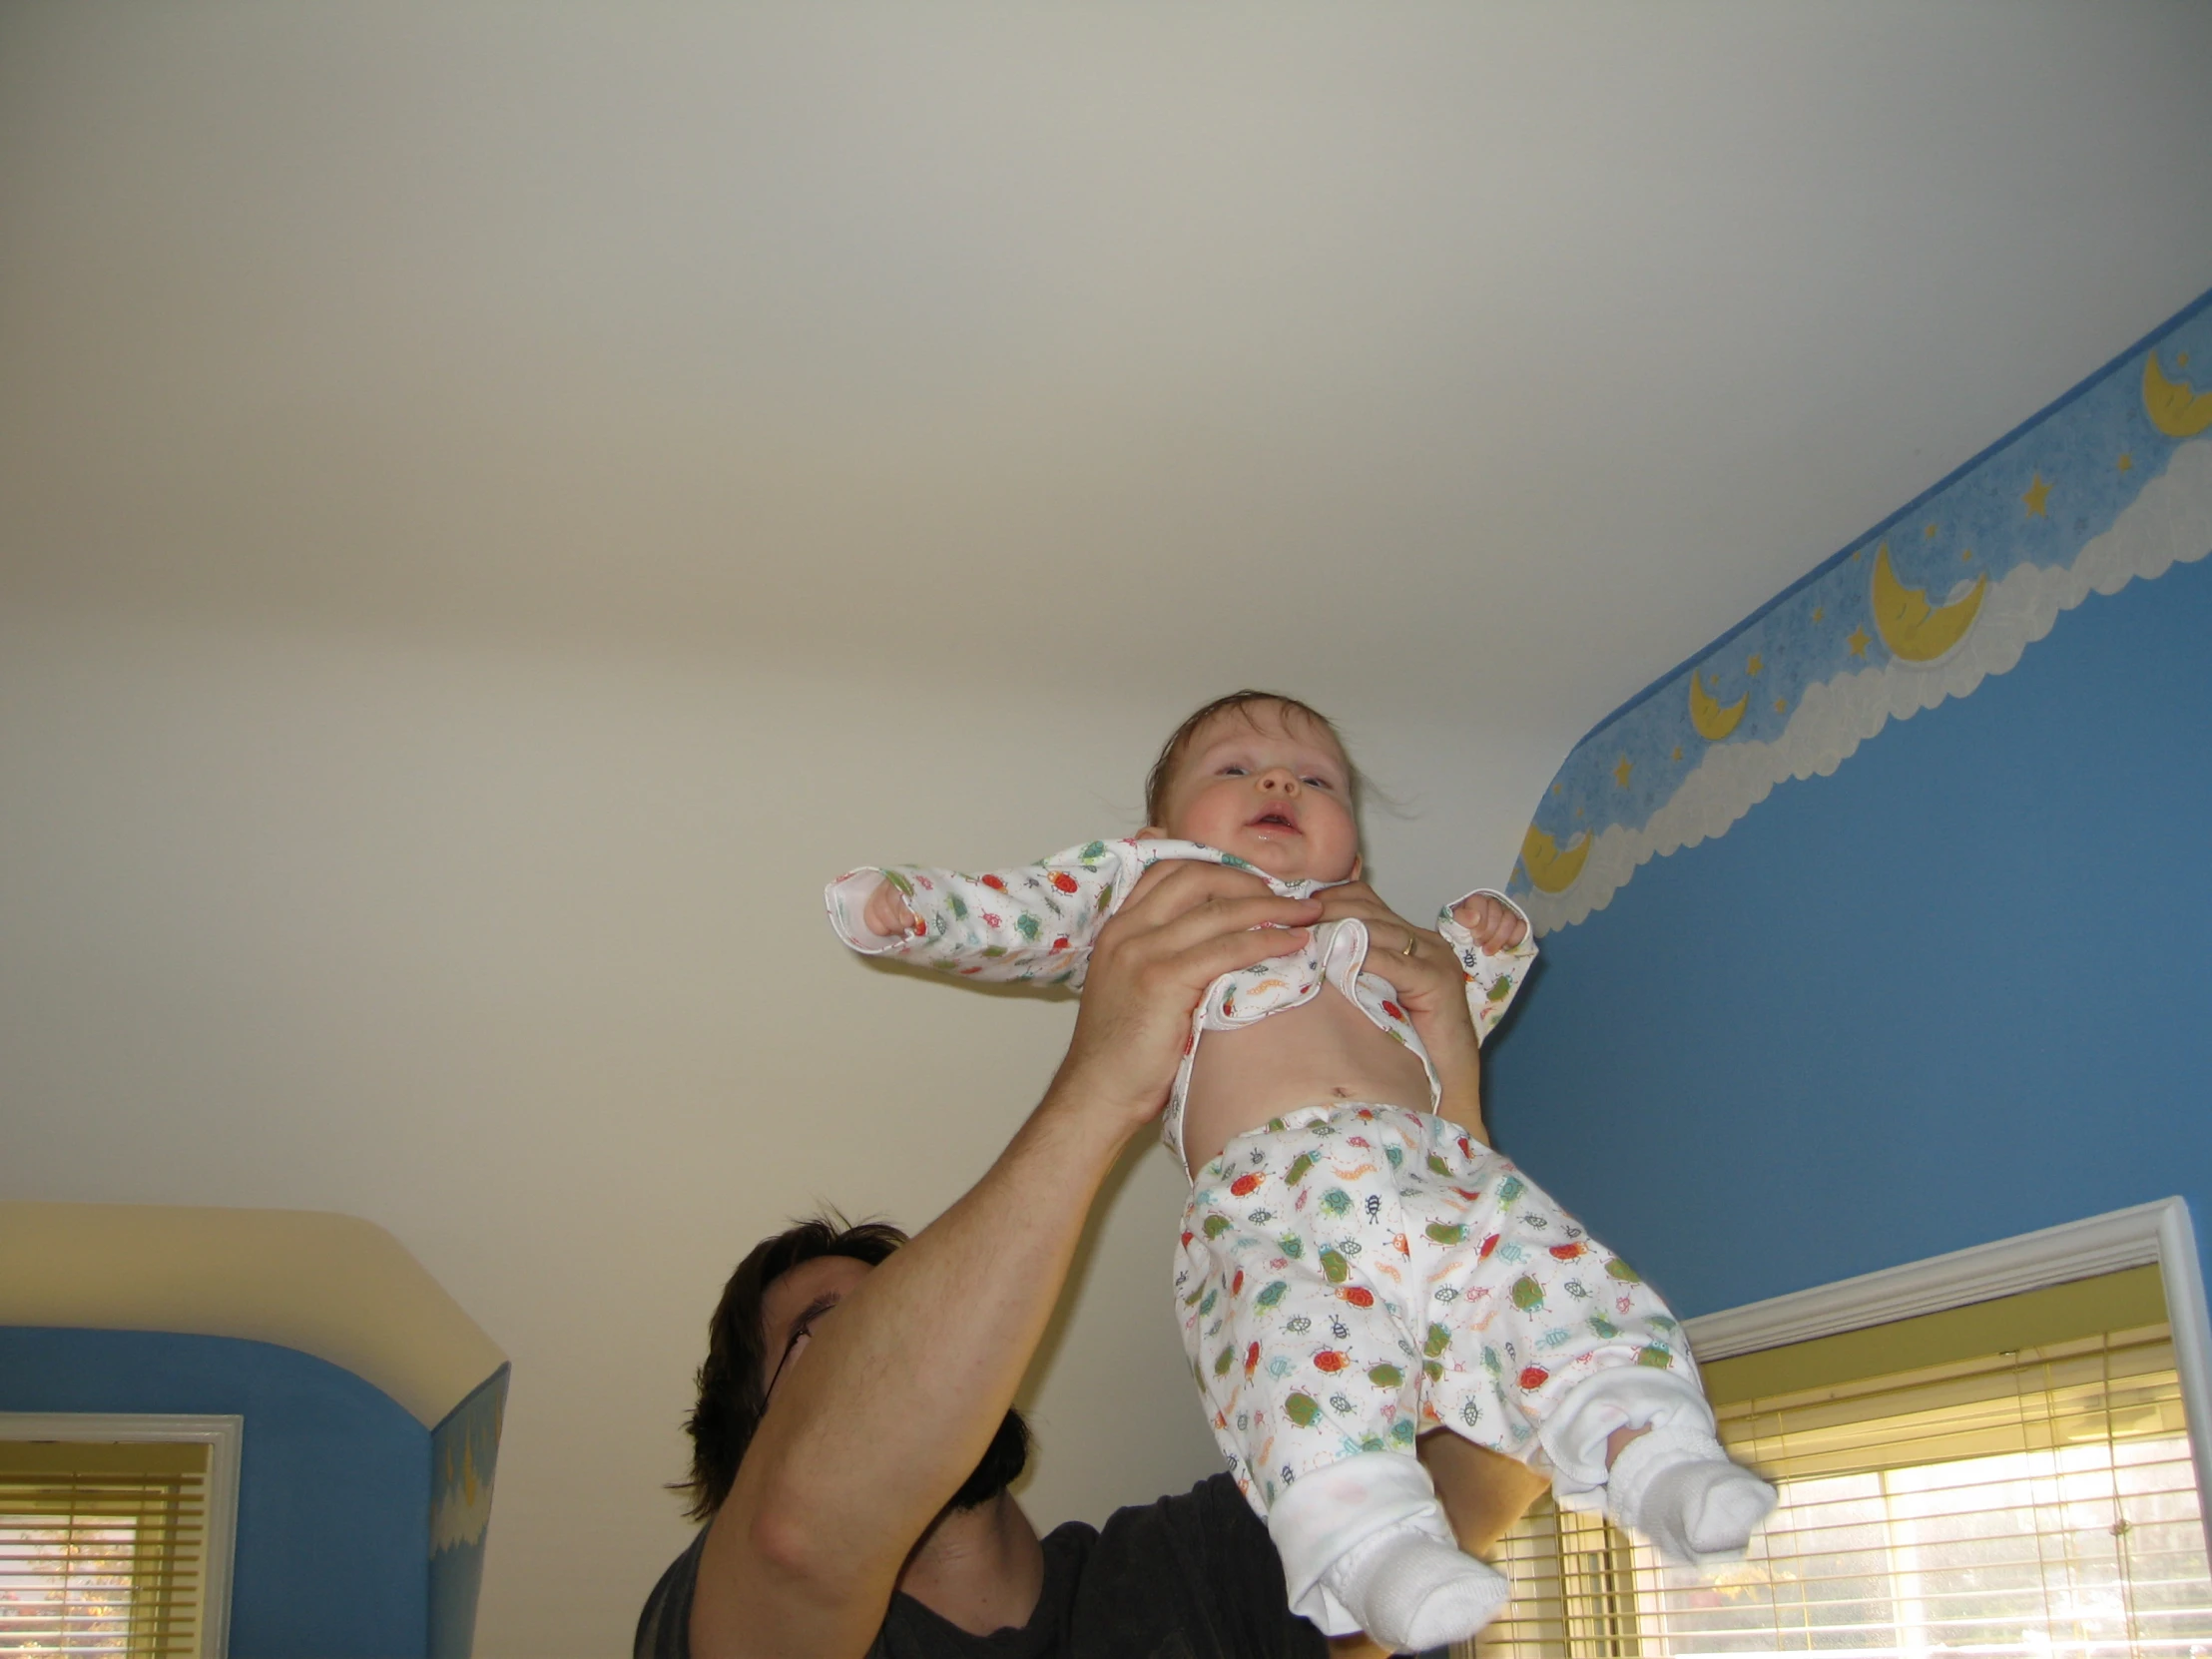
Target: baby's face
1271, 787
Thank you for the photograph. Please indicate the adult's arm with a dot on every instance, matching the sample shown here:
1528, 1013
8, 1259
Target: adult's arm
892, 1402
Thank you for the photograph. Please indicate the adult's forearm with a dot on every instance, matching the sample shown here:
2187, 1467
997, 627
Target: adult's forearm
893, 1402
908, 1382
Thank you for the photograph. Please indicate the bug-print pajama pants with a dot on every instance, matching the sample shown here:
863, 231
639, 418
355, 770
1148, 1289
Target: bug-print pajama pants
1351, 1276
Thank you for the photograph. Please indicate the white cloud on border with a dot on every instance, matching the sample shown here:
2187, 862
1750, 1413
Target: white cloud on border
2170, 522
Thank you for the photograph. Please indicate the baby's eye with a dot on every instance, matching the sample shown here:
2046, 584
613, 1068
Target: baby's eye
1231, 772
1321, 783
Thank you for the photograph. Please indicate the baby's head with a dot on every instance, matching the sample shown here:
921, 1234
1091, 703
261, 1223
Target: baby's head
1264, 777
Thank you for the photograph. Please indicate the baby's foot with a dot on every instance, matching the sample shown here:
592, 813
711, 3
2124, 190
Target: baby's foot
1408, 1591
1689, 1499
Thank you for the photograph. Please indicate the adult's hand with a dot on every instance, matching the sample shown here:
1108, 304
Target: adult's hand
1184, 925
887, 1407
1432, 989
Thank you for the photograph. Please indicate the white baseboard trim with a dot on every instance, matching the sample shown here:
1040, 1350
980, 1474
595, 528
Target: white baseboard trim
2159, 1231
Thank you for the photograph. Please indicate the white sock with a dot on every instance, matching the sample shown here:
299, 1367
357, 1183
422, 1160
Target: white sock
1366, 1546
1408, 1591
1679, 1490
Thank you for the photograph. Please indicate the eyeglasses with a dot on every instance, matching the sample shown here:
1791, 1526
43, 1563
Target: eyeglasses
801, 1330
798, 1342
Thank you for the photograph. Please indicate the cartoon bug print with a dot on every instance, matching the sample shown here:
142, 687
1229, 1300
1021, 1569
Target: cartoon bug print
1427, 1283
1350, 1274
1037, 923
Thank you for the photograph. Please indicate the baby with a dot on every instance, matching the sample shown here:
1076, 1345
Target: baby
1354, 1268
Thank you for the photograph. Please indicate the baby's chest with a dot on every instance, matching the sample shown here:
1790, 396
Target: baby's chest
1322, 1036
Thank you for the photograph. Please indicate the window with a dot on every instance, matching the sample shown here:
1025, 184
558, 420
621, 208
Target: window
116, 1534
2013, 1478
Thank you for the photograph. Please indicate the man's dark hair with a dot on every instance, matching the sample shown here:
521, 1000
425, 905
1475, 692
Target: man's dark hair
1162, 769
733, 1393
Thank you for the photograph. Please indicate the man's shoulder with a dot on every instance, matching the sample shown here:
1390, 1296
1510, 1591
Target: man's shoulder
1209, 1528
664, 1627
1195, 1570
1204, 1508
1198, 1567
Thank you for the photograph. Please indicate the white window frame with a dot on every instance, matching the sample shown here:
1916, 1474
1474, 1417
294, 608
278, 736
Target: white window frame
225, 1438
2158, 1233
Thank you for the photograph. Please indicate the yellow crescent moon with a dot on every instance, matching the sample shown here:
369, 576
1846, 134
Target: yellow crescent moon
1712, 722
1912, 628
2175, 407
1550, 869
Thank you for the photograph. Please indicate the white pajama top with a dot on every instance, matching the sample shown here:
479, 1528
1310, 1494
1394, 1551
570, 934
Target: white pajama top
1036, 924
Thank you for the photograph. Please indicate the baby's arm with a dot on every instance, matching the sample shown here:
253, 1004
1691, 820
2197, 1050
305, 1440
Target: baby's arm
1032, 923
1496, 946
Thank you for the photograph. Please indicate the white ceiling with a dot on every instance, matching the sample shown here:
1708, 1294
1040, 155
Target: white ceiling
1481, 358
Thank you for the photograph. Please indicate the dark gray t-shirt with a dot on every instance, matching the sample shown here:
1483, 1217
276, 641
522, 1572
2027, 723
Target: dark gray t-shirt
1189, 1577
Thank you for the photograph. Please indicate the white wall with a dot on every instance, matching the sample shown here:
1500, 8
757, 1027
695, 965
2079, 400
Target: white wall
521, 956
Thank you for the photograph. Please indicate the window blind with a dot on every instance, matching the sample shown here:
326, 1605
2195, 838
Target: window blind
103, 1547
2033, 1500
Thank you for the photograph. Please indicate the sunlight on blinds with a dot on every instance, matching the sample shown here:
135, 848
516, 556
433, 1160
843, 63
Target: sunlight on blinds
2036, 1503
101, 1547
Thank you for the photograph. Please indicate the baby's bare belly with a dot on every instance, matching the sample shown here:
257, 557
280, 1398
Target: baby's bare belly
1317, 1054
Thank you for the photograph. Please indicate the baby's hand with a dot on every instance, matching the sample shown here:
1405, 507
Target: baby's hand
887, 915
1495, 925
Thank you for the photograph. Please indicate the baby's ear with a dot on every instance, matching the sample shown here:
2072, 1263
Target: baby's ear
1151, 833
1359, 863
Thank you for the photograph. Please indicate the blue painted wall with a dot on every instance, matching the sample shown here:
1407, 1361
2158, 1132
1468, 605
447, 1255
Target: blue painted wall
1961, 989
334, 1505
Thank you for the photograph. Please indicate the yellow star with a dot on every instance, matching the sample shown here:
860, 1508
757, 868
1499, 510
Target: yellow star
1756, 664
1818, 610
1857, 642
1621, 772
1779, 704
2127, 463
1677, 752
2037, 494
1578, 811
1966, 556
1556, 789
1930, 532
2182, 361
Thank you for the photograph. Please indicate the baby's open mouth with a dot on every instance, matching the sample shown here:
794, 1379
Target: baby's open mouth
1279, 820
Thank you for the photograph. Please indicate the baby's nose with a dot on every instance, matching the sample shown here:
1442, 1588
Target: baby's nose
1279, 779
